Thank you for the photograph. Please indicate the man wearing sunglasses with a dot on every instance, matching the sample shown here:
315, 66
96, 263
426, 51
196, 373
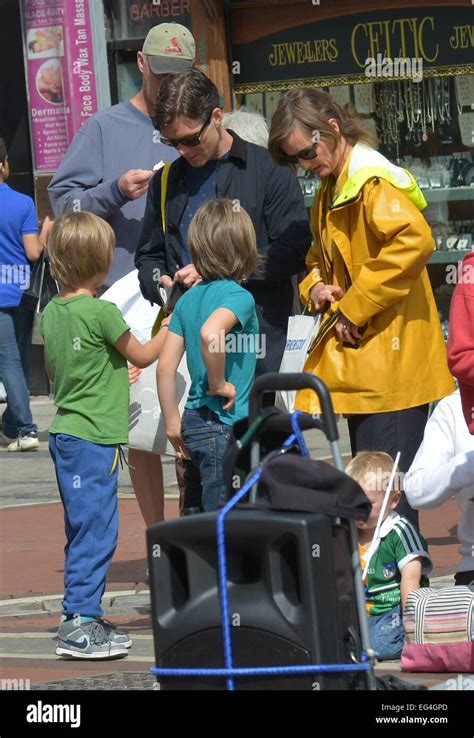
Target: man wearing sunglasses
215, 162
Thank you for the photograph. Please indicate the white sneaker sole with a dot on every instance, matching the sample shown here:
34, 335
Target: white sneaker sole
69, 653
15, 448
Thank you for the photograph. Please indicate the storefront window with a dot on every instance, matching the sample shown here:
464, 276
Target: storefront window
132, 19
422, 111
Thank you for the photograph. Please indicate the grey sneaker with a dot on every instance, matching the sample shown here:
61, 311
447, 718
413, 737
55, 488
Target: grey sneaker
27, 442
116, 635
88, 640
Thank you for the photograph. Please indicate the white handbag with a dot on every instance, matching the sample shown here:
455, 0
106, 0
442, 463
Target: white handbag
146, 426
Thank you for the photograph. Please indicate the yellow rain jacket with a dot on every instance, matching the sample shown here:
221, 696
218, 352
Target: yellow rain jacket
371, 238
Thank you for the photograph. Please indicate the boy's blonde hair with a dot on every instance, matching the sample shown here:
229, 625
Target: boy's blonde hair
222, 241
377, 465
81, 245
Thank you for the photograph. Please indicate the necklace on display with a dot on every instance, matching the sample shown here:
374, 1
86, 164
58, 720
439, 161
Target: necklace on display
439, 100
446, 100
458, 102
401, 116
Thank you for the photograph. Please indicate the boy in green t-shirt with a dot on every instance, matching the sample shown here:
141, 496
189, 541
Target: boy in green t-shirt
399, 559
87, 345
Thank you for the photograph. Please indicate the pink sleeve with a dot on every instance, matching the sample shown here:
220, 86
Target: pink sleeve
461, 334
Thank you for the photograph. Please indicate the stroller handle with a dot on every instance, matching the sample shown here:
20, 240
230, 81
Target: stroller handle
273, 382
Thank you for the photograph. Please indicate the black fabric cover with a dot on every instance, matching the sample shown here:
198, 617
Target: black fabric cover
293, 482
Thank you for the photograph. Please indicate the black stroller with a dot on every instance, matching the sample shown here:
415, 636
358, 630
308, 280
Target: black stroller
266, 593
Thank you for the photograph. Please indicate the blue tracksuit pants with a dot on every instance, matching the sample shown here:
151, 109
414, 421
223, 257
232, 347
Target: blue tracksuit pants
87, 477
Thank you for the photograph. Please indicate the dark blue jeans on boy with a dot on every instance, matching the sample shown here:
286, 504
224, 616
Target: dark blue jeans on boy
206, 439
387, 634
87, 477
15, 331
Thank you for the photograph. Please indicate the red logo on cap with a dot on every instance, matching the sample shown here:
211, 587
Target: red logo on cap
175, 48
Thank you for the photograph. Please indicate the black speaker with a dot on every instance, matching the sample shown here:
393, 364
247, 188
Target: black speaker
291, 598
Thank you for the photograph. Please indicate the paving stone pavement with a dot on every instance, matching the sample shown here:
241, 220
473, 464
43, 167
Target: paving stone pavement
31, 542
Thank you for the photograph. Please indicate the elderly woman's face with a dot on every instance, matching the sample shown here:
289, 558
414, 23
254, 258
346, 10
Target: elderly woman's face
325, 160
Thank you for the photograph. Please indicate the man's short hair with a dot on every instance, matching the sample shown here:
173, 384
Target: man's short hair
189, 95
81, 245
3, 151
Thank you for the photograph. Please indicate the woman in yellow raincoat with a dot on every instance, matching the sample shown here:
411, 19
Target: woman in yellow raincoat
380, 347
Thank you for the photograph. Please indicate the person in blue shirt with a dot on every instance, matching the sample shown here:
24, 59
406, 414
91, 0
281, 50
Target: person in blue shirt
20, 246
215, 322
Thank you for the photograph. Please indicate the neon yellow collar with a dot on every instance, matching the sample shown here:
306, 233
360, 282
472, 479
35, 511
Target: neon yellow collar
356, 181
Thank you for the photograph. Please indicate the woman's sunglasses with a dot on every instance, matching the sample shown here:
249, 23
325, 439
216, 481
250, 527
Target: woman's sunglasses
305, 154
193, 140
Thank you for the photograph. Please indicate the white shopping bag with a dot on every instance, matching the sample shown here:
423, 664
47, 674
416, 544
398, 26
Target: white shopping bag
301, 331
146, 425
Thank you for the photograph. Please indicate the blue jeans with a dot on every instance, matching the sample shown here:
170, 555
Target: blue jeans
87, 480
206, 439
15, 331
387, 634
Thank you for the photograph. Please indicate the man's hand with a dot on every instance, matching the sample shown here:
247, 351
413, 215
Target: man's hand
226, 390
347, 332
187, 275
166, 281
134, 183
45, 230
133, 373
322, 293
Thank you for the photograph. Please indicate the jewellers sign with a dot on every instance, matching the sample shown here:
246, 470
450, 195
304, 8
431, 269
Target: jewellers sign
343, 46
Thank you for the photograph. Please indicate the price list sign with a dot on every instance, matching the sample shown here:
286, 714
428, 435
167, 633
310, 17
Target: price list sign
60, 75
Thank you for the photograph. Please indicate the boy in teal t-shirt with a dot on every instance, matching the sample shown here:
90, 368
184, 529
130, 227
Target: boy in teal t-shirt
87, 345
216, 324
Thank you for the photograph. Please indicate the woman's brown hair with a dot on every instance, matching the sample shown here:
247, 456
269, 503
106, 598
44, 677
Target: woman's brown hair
312, 109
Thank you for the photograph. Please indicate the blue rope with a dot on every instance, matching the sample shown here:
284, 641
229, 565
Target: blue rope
264, 670
229, 671
222, 562
298, 434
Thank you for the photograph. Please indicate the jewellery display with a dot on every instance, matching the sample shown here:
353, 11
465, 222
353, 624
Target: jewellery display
364, 98
464, 87
341, 94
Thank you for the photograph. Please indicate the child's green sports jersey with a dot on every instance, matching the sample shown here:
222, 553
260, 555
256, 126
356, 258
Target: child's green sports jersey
400, 542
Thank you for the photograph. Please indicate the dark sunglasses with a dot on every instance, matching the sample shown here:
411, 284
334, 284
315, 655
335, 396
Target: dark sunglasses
193, 140
305, 154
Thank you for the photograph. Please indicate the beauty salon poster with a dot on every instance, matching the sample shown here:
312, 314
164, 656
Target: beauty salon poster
60, 75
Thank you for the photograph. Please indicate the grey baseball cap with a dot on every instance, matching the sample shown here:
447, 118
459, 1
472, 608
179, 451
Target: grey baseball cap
170, 48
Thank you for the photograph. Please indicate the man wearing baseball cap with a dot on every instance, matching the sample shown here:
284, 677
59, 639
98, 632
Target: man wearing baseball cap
106, 170
108, 165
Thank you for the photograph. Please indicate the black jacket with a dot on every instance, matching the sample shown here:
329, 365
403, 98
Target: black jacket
272, 197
